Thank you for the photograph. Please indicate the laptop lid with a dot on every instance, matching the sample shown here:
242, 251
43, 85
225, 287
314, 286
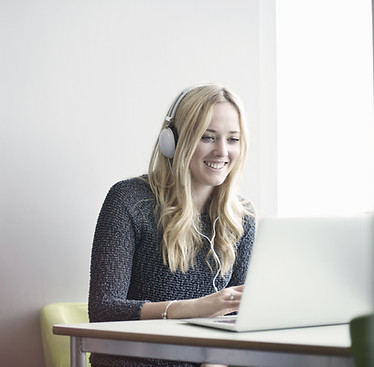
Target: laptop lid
308, 272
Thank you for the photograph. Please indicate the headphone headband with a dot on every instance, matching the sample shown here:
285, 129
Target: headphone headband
173, 109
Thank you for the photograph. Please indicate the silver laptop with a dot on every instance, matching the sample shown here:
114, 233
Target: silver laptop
305, 272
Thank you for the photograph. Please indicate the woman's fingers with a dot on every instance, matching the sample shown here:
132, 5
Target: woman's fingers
234, 293
224, 302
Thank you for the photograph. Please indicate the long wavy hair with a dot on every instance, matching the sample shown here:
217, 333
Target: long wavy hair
170, 181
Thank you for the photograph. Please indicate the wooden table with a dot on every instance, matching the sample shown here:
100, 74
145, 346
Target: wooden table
176, 340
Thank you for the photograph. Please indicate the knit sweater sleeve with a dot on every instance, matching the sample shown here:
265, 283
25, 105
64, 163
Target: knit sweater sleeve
111, 259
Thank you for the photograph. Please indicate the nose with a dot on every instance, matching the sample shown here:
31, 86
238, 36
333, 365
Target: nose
221, 148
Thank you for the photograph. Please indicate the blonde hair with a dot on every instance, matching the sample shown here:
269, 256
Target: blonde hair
171, 184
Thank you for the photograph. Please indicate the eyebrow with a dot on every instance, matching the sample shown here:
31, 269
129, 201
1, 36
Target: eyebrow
215, 131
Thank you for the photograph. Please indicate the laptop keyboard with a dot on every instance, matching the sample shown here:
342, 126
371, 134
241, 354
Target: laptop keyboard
228, 321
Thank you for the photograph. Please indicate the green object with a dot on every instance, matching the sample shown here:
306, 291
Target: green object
57, 347
361, 330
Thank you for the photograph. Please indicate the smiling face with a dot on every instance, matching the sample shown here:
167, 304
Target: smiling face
217, 152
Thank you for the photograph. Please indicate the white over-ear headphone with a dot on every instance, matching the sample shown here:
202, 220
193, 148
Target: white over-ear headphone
168, 137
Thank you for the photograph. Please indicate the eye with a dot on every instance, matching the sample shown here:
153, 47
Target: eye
207, 138
234, 140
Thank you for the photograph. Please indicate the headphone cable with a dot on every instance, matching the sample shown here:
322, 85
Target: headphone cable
211, 240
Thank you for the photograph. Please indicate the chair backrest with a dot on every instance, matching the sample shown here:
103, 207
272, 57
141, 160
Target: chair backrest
362, 338
56, 347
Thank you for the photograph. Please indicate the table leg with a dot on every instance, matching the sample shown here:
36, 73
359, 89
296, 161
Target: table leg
77, 357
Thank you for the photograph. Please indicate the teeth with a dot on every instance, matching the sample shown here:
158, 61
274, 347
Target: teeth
215, 165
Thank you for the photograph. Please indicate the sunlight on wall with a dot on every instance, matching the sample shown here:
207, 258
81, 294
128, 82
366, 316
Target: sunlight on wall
325, 107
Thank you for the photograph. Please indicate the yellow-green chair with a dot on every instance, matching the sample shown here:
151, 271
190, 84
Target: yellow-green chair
361, 330
57, 347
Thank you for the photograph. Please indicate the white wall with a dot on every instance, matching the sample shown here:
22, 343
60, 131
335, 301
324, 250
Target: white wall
325, 107
84, 87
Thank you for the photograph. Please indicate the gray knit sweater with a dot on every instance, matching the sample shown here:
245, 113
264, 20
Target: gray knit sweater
127, 269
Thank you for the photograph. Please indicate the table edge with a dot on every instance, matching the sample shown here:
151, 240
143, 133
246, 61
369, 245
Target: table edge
66, 330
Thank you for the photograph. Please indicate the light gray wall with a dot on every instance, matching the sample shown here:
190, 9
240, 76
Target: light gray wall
84, 88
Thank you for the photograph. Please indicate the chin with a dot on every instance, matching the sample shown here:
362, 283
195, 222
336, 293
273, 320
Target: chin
215, 183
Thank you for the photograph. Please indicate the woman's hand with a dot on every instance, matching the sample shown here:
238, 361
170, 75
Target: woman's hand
223, 302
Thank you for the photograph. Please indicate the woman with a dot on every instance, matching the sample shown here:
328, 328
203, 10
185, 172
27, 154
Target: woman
176, 243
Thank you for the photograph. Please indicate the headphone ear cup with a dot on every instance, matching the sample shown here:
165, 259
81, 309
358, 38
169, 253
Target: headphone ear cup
167, 142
